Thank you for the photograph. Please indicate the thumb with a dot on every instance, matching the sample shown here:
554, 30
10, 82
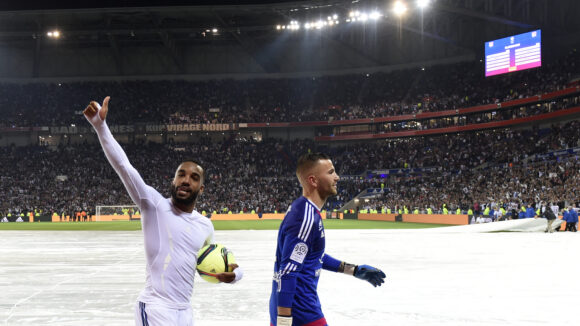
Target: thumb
105, 108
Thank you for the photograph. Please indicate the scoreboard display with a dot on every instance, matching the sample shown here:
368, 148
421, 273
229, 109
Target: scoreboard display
514, 53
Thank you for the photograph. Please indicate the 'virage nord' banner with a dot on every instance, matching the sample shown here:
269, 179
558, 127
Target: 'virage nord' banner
514, 53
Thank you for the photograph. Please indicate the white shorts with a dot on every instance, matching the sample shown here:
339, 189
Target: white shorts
155, 315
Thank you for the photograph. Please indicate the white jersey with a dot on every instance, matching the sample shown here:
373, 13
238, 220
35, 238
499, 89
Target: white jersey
172, 237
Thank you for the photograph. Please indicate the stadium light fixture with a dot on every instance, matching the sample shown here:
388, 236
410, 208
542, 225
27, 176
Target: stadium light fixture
53, 34
375, 15
423, 3
399, 8
215, 30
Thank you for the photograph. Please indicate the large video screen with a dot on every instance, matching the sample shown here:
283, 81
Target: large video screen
514, 53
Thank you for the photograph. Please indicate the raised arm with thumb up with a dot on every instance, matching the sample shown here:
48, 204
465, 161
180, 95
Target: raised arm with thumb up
96, 114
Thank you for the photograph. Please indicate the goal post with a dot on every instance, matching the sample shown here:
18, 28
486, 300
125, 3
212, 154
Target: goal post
117, 213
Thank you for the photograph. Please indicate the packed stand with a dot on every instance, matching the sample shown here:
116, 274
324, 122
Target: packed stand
244, 175
274, 100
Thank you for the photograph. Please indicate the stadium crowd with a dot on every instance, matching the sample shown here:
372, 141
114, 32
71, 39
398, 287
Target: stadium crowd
437, 88
497, 166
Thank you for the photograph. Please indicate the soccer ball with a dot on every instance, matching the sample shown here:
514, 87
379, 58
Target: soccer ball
214, 259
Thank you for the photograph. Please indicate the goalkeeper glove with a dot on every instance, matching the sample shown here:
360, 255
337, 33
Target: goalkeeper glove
368, 273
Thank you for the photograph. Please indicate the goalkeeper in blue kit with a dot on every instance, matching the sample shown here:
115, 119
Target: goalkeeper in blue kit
300, 255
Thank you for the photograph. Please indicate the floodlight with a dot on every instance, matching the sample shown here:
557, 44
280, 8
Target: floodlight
364, 17
399, 8
375, 15
53, 34
278, 26
214, 30
307, 25
423, 3
335, 16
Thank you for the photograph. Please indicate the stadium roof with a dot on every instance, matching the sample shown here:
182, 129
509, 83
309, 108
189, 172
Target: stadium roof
51, 5
447, 28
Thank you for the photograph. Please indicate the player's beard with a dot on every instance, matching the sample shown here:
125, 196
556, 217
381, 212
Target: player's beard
185, 201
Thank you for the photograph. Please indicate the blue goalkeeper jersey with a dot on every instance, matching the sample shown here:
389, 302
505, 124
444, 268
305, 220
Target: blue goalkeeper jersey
299, 259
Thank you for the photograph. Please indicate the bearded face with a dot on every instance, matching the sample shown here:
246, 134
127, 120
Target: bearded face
183, 195
187, 184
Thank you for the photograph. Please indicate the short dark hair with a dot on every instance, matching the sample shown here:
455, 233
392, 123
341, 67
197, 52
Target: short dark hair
308, 160
203, 171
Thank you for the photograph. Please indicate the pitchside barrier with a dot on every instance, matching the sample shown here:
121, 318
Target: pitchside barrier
413, 218
418, 218
450, 219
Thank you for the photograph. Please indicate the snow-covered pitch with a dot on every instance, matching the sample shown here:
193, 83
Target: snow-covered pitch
434, 277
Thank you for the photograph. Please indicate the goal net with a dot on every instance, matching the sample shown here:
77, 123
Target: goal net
117, 213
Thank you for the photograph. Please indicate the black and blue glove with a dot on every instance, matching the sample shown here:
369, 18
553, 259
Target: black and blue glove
368, 273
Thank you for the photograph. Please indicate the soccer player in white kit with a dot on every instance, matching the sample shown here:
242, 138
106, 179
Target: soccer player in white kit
173, 231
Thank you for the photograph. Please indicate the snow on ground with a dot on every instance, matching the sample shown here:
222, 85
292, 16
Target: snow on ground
433, 278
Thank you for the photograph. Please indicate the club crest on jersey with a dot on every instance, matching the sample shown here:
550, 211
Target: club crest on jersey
299, 252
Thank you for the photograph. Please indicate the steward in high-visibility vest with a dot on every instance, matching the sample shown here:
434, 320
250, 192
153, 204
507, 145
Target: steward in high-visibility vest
458, 211
406, 210
470, 212
416, 211
445, 210
429, 210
